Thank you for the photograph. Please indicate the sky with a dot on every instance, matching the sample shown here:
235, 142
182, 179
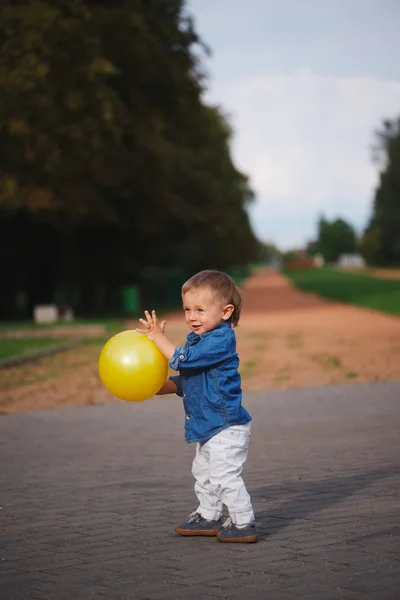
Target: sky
305, 83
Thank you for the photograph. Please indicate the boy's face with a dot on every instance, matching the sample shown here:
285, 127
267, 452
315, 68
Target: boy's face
202, 312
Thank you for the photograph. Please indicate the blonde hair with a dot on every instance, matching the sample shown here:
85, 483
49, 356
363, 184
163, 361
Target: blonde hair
221, 286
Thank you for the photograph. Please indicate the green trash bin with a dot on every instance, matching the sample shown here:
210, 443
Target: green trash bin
130, 299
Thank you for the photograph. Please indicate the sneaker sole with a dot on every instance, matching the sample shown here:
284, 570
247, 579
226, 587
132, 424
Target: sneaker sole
244, 540
189, 532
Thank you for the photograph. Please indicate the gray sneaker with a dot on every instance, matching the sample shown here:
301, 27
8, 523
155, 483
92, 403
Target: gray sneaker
198, 525
246, 534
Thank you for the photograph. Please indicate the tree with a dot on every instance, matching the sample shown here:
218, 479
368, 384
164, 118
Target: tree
380, 243
269, 254
335, 238
109, 159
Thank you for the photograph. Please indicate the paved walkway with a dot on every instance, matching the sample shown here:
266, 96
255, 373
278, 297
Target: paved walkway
90, 497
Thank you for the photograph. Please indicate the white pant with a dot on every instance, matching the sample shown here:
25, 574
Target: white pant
217, 468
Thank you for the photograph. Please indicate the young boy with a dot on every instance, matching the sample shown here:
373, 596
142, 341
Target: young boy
210, 385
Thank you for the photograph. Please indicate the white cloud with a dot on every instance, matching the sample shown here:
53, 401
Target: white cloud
305, 140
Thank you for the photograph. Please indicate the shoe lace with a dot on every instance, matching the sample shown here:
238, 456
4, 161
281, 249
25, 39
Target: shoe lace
227, 524
194, 517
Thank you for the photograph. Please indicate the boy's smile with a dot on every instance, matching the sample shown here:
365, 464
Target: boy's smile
202, 312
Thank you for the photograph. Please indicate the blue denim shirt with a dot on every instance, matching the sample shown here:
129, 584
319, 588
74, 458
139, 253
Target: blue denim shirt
209, 383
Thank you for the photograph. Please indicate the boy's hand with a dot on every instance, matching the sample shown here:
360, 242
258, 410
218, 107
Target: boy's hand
155, 332
152, 327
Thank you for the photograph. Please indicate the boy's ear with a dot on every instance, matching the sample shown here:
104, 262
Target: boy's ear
227, 312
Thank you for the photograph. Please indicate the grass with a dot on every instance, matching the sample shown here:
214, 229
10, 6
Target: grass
294, 341
51, 368
352, 375
111, 324
259, 347
357, 289
282, 375
260, 335
10, 348
248, 369
23, 379
329, 361
54, 366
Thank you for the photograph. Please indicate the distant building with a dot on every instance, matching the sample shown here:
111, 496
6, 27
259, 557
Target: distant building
351, 260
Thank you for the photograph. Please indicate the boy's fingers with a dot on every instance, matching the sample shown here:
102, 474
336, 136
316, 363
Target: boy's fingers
163, 324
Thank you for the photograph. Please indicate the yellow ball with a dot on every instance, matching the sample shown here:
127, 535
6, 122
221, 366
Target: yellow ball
131, 366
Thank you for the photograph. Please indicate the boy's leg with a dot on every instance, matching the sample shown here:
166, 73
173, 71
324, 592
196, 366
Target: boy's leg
210, 504
228, 452
207, 519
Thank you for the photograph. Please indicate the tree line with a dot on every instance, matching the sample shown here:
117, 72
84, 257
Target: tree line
379, 243
112, 166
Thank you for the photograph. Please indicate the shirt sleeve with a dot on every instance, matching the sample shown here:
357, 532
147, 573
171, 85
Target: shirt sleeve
177, 379
209, 351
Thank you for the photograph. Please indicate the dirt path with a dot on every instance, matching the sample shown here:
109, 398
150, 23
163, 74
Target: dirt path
307, 341
286, 338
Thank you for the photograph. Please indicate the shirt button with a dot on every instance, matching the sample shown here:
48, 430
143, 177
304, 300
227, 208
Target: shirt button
181, 357
188, 417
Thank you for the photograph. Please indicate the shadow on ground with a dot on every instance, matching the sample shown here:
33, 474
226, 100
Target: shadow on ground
308, 498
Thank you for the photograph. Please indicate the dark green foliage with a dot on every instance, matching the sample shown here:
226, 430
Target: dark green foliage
110, 163
360, 290
381, 241
335, 238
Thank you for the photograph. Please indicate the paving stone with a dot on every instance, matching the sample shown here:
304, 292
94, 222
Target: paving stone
90, 497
